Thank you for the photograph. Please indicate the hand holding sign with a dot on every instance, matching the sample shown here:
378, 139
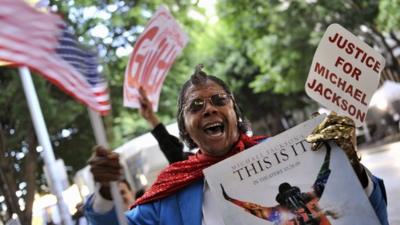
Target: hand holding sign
344, 73
341, 130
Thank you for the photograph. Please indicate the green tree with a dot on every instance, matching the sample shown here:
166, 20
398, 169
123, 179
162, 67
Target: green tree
263, 49
20, 159
269, 45
67, 121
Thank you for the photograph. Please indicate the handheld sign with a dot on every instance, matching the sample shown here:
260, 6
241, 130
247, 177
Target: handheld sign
152, 57
282, 181
344, 73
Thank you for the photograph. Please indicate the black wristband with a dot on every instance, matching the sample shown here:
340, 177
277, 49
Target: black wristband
105, 192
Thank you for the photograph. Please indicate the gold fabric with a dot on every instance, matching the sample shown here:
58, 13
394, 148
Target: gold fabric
340, 129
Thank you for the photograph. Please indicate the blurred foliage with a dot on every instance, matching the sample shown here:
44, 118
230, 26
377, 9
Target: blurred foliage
263, 49
389, 16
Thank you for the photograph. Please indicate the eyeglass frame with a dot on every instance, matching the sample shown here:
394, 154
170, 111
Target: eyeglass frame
187, 105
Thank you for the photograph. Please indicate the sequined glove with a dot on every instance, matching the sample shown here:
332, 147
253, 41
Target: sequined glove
341, 130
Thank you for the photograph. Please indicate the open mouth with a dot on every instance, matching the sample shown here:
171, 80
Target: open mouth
214, 129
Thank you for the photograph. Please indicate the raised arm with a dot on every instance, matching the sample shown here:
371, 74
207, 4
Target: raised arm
170, 145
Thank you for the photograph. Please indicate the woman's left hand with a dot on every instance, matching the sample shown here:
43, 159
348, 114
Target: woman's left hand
341, 130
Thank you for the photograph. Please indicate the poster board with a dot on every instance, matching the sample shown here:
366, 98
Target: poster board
344, 73
153, 55
323, 187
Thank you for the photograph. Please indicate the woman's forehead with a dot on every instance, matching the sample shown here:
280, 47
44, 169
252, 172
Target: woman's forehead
205, 89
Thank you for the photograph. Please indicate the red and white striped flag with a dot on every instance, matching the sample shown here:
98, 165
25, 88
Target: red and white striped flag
86, 63
29, 37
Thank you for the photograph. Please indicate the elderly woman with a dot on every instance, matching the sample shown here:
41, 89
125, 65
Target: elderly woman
208, 118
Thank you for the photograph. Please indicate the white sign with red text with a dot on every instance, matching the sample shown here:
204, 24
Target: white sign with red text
344, 74
152, 57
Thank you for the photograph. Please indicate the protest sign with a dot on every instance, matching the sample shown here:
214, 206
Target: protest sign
282, 181
152, 57
344, 73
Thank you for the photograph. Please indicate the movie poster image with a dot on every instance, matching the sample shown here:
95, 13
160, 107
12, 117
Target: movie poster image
282, 182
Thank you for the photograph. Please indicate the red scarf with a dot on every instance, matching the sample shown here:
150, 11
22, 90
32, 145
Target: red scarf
180, 174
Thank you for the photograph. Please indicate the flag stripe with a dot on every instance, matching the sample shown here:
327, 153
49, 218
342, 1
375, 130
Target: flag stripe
41, 42
49, 66
86, 63
52, 73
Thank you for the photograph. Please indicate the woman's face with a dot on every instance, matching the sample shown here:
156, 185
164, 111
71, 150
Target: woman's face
212, 125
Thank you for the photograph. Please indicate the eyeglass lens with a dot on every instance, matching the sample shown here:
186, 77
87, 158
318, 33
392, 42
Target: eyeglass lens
217, 100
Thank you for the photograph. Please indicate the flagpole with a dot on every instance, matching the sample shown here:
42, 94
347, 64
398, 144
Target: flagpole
101, 139
44, 140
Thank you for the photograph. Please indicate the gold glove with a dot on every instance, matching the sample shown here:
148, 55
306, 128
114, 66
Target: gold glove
340, 129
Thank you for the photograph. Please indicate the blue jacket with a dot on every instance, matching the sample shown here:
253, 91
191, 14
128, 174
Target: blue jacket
185, 208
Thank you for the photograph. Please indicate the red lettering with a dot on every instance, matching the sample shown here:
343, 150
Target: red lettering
326, 92
377, 67
368, 61
352, 110
356, 73
319, 69
348, 68
349, 90
340, 102
344, 105
359, 50
357, 94
363, 100
319, 88
350, 48
335, 99
312, 85
355, 51
333, 78
139, 55
360, 115
341, 84
333, 39
339, 61
363, 57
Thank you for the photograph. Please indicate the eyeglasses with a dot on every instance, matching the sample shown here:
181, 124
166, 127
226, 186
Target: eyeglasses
198, 104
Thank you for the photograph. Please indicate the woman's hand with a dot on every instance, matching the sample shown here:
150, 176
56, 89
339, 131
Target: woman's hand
341, 130
146, 109
105, 168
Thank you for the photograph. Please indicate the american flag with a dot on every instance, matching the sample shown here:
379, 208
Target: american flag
29, 37
86, 63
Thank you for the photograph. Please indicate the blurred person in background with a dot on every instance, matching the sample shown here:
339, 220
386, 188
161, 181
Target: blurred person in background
126, 193
79, 216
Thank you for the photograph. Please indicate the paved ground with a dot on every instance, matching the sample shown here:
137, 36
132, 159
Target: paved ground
384, 162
